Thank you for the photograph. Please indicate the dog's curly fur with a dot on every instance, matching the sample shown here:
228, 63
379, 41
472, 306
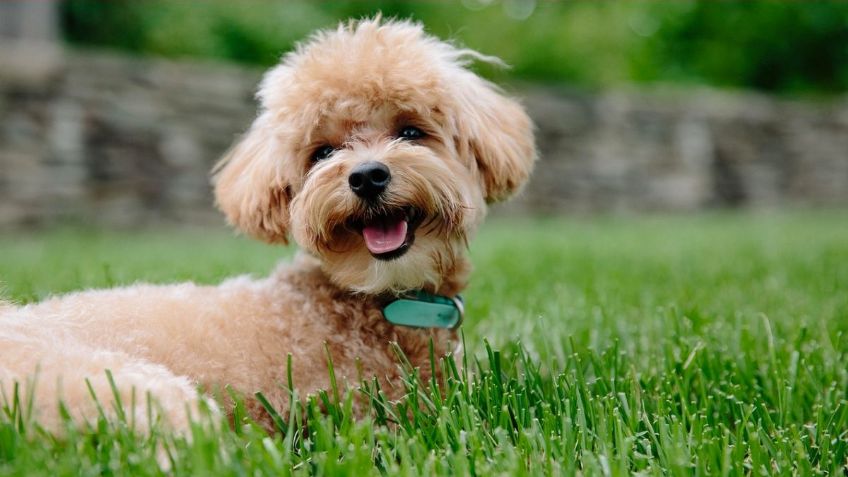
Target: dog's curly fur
352, 89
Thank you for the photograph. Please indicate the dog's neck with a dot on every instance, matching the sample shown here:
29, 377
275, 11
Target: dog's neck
307, 275
455, 279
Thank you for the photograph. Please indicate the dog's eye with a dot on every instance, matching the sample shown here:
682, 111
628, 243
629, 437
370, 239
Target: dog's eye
323, 152
410, 133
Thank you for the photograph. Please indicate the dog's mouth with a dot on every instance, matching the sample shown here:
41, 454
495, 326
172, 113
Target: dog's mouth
389, 235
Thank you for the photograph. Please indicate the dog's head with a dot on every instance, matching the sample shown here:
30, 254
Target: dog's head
378, 150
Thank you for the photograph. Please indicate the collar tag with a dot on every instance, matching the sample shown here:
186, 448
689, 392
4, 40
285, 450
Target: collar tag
423, 310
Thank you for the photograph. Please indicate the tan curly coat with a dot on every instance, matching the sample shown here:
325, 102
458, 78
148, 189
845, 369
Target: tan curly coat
351, 89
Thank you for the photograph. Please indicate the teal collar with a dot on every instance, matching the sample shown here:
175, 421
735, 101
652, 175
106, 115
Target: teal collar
422, 310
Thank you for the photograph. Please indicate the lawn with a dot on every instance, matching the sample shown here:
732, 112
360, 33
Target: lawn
712, 345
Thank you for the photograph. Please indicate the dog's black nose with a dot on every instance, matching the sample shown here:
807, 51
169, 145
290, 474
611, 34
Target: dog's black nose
369, 179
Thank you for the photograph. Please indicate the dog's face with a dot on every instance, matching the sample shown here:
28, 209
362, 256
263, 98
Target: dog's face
378, 151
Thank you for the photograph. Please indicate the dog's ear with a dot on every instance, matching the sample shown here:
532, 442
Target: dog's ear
497, 133
250, 184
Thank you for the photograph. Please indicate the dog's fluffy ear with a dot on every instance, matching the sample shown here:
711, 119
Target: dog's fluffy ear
498, 134
250, 187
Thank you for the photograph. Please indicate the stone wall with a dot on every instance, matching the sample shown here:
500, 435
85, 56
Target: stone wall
118, 140
126, 141
687, 150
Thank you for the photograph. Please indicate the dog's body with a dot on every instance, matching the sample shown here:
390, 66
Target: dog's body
167, 339
378, 151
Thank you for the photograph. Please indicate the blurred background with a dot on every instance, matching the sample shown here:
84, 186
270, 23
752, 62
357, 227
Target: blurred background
112, 112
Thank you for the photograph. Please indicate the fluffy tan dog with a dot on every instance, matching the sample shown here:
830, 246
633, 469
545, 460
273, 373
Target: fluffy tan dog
378, 151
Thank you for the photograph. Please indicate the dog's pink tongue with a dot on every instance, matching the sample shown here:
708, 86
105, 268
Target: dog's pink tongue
385, 237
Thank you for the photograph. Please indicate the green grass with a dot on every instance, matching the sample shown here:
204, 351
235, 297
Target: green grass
711, 345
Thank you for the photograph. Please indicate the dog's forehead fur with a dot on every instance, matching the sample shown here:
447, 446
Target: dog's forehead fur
362, 66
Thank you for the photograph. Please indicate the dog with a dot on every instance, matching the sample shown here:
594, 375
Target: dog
377, 150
